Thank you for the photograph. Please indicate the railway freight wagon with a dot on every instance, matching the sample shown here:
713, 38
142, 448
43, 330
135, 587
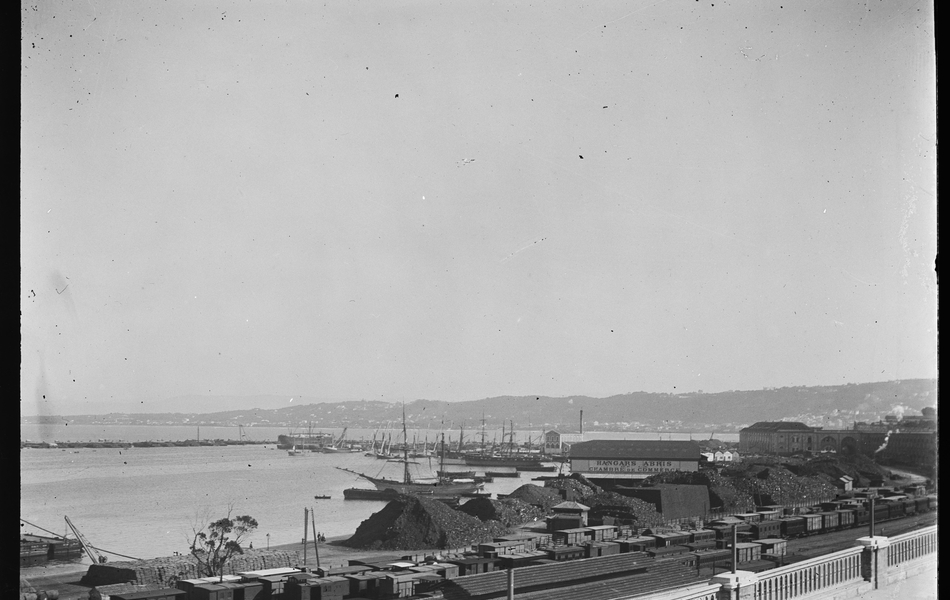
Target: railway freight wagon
845, 518
714, 559
766, 529
602, 533
792, 527
637, 544
829, 521
571, 537
672, 538
770, 515
162, 594
752, 517
697, 536
813, 523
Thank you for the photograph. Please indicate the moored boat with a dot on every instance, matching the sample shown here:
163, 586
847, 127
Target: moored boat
441, 486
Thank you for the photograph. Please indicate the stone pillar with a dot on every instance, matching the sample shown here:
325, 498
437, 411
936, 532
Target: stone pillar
874, 559
736, 586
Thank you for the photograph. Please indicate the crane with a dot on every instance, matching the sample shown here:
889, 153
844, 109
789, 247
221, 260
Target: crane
94, 556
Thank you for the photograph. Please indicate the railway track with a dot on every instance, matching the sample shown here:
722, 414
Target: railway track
817, 545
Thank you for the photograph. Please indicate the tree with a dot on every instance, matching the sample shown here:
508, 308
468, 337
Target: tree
216, 544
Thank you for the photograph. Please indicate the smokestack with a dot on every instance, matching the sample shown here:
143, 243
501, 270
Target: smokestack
582, 420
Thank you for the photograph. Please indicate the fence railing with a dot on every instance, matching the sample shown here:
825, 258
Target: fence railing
810, 575
915, 544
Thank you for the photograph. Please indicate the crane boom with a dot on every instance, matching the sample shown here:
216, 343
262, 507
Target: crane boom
94, 556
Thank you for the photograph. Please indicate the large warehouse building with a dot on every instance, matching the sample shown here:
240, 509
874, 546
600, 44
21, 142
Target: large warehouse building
632, 459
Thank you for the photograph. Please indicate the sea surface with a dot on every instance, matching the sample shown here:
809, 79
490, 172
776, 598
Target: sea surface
63, 432
146, 502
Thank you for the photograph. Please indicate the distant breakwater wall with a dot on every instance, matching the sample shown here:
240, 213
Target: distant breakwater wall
123, 445
167, 570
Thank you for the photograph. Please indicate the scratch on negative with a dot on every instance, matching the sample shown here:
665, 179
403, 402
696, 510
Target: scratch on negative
523, 248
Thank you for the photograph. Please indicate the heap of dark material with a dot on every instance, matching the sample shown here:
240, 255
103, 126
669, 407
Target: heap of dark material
510, 512
415, 523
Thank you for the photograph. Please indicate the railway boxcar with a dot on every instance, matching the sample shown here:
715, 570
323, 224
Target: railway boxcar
748, 552
813, 523
932, 502
792, 527
561, 553
162, 594
752, 517
845, 518
770, 515
637, 544
671, 538
726, 522
571, 537
829, 520
713, 559
667, 551
766, 529
773, 546
725, 531
701, 535
602, 533
895, 510
910, 505
701, 546
861, 516
920, 504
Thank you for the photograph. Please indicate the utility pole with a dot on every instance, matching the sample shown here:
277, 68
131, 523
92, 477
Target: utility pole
735, 551
316, 549
305, 524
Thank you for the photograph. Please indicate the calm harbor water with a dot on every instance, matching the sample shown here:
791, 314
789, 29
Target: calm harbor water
61, 432
144, 502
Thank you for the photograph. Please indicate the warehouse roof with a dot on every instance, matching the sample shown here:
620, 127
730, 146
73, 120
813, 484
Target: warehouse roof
636, 449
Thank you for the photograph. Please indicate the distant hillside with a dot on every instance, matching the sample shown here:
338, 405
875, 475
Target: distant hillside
828, 406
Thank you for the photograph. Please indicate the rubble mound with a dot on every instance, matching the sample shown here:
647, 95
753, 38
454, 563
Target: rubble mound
510, 512
414, 523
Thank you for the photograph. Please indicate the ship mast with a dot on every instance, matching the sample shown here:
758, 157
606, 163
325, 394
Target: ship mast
405, 447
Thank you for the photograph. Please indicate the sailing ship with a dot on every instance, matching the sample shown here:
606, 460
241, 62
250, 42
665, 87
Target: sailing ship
441, 486
506, 456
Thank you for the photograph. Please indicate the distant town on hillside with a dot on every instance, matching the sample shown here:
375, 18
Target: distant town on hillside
830, 407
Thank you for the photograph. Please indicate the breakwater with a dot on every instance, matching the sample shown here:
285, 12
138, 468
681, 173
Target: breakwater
146, 444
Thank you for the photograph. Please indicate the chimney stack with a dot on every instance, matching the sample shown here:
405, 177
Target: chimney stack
582, 421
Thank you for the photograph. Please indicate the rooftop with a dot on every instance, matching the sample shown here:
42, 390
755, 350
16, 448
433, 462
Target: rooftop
637, 449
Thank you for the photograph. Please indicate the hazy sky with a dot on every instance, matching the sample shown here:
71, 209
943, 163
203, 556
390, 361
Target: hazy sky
400, 200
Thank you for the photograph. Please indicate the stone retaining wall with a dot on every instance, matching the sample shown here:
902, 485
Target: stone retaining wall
166, 570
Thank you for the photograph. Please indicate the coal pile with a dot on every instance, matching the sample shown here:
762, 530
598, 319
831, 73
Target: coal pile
861, 469
623, 508
576, 483
510, 512
414, 523
545, 497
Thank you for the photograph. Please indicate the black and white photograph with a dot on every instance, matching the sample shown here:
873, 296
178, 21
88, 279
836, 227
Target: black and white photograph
363, 299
